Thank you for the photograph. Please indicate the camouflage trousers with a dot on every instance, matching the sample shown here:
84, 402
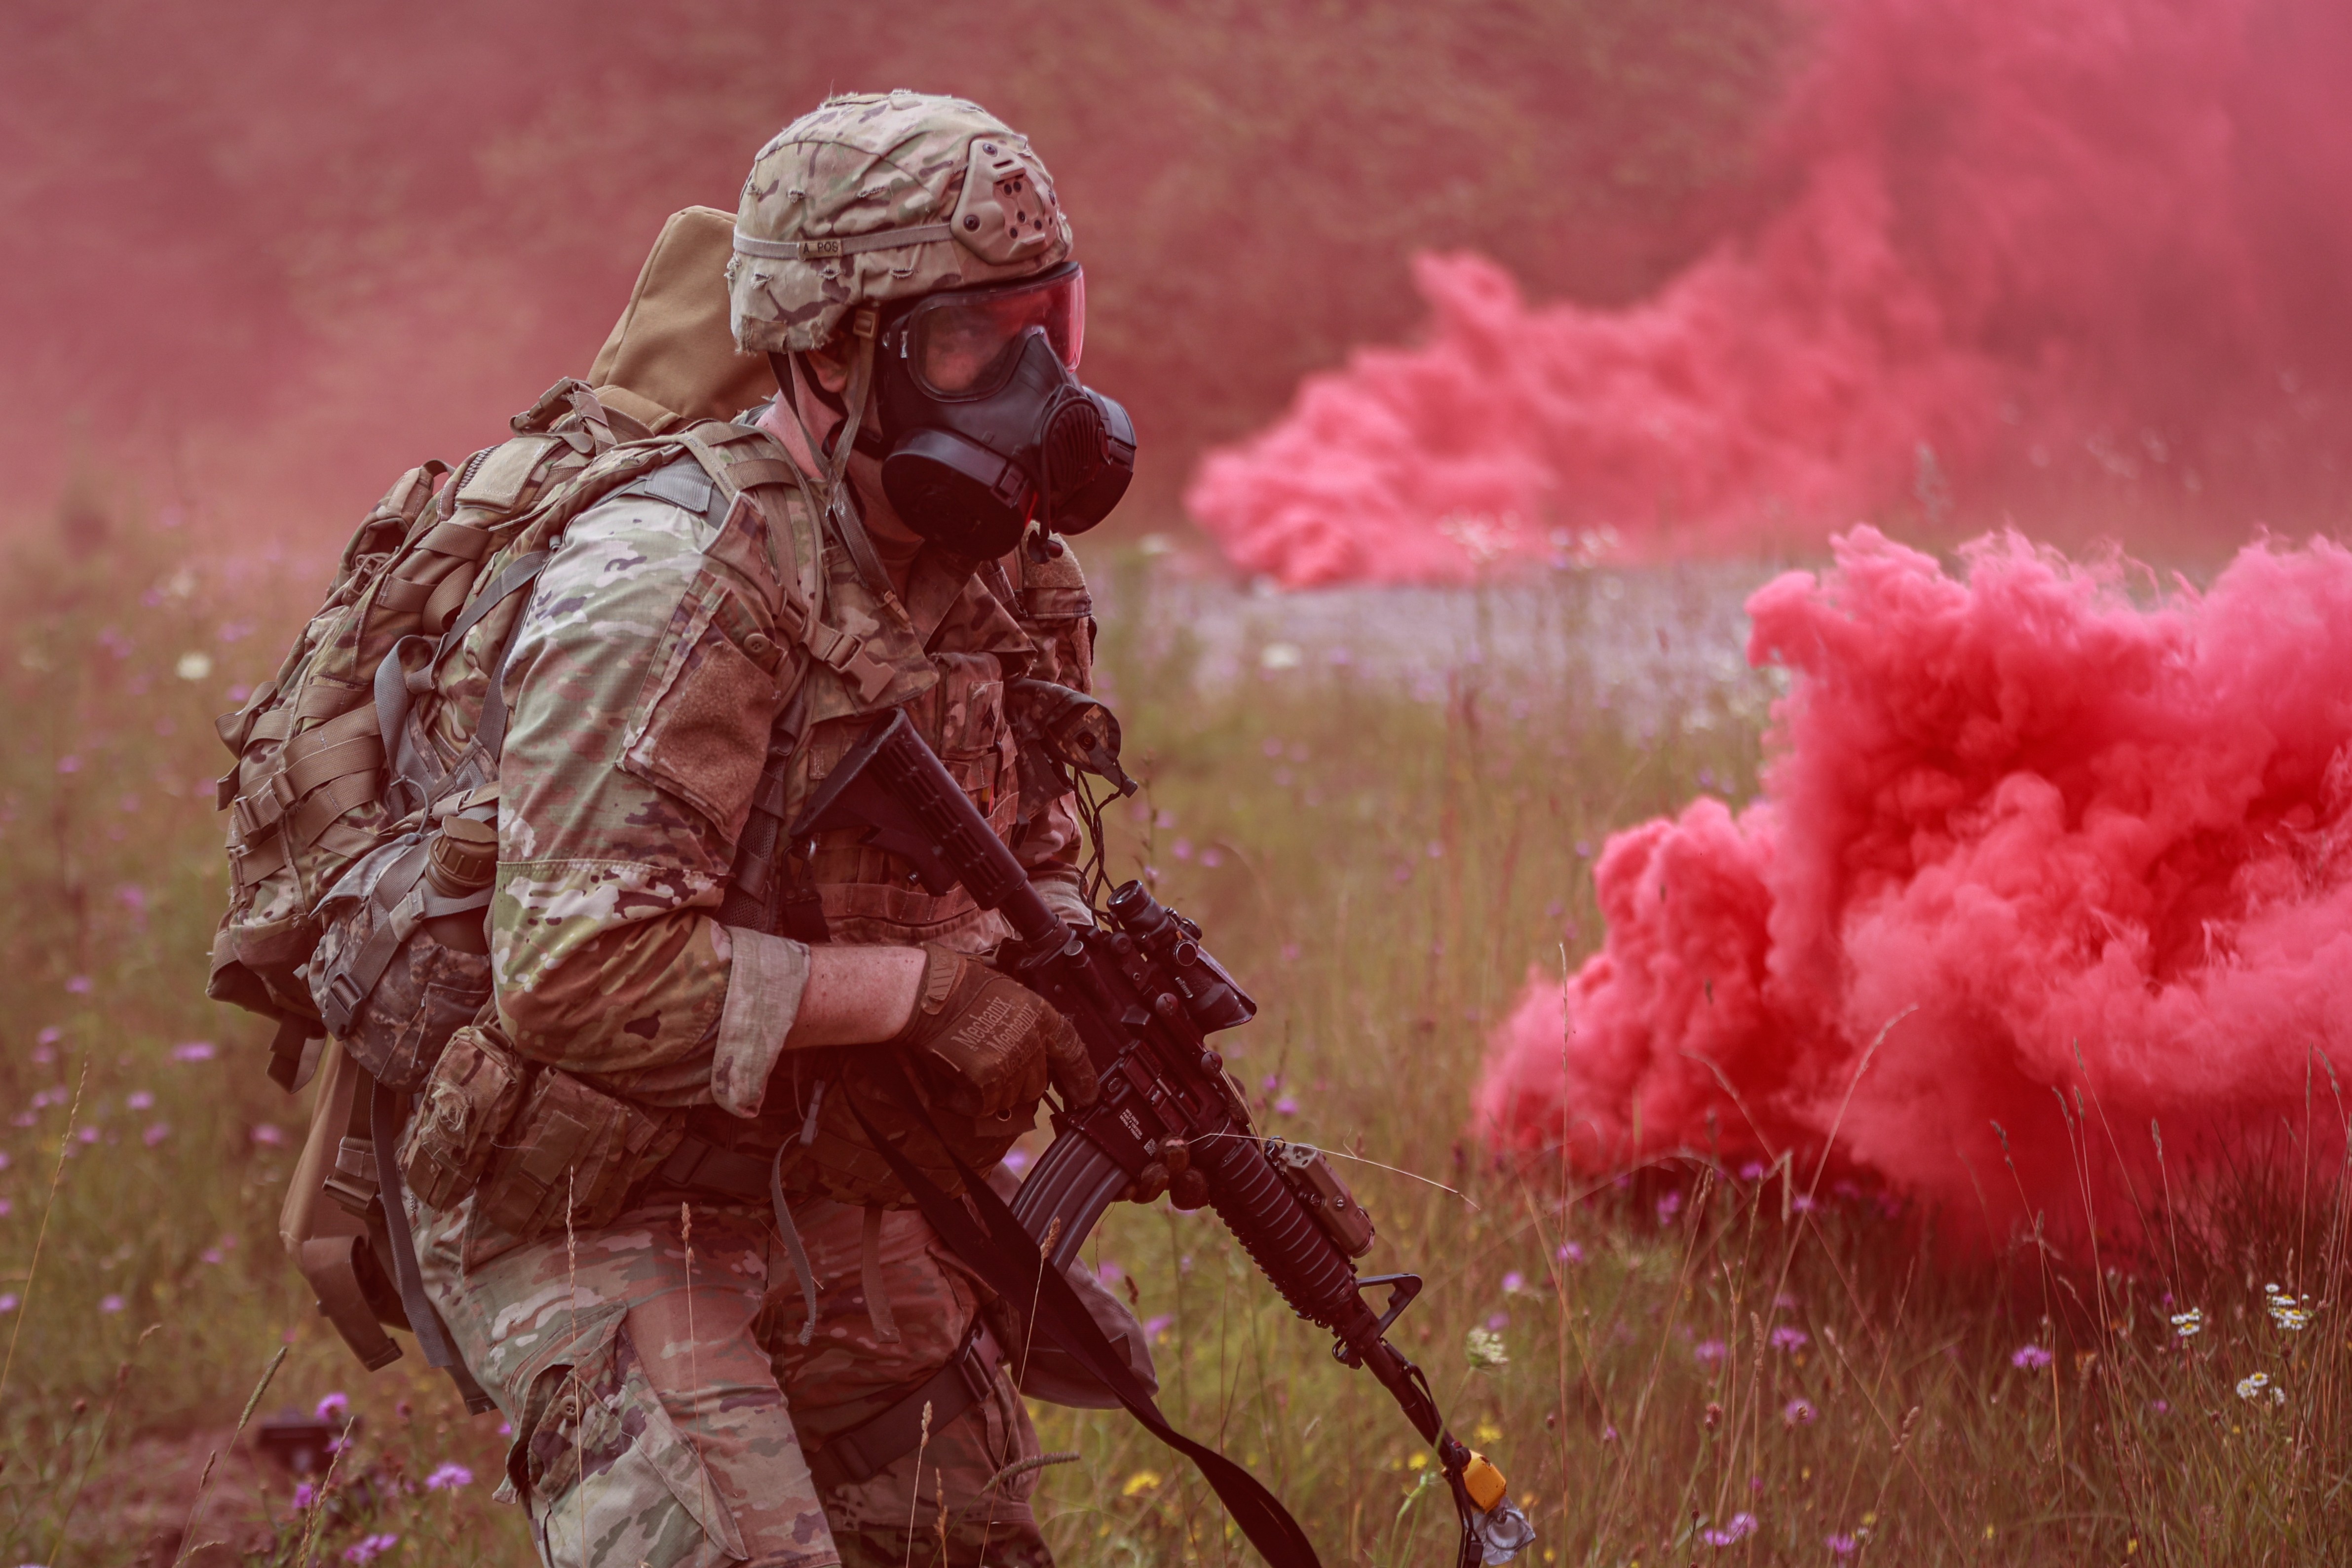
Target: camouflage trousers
659, 1392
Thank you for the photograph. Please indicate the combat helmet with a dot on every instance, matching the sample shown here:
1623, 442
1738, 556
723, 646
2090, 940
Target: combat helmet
931, 222
881, 196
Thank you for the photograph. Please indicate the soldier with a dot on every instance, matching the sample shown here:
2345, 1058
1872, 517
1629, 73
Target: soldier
768, 1355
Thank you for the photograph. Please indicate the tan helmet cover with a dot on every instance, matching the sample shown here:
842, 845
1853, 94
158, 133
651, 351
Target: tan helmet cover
882, 196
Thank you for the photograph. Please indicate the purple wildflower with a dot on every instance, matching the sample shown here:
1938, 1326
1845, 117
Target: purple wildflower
2030, 1358
1513, 1282
369, 1549
109, 1303
1569, 1252
192, 1051
1839, 1546
1798, 1412
1788, 1336
449, 1477
1740, 1527
335, 1406
1708, 1353
1154, 1327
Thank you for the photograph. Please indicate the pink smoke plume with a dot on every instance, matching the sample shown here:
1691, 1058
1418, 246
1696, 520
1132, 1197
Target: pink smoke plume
2017, 224
2064, 845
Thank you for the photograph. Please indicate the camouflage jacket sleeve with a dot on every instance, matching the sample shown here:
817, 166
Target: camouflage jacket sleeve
643, 685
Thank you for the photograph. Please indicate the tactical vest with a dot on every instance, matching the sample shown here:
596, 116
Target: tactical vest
1028, 614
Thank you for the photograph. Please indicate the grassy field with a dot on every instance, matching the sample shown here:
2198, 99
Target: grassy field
1681, 1364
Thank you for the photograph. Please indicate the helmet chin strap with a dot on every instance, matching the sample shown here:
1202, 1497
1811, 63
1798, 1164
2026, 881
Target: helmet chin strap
861, 384
840, 505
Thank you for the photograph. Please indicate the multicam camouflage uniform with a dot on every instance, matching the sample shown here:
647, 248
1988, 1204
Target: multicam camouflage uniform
610, 965
653, 1369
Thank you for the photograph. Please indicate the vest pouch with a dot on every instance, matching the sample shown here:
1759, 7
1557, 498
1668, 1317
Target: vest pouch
402, 964
573, 1151
469, 1102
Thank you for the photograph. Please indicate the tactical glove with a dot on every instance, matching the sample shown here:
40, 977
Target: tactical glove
990, 1043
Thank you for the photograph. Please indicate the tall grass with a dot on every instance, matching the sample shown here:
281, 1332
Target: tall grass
1680, 1362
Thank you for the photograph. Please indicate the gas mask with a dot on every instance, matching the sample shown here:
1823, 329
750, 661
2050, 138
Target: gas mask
984, 426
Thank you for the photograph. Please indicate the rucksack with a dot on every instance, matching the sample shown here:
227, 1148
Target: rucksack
441, 552
361, 852
305, 798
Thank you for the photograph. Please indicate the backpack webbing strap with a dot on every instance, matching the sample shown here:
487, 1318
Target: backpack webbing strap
1001, 1250
842, 651
393, 696
386, 1111
513, 575
322, 772
737, 475
404, 899
331, 1265
490, 729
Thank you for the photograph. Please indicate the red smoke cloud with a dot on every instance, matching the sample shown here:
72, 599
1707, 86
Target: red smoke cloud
2020, 227
2063, 842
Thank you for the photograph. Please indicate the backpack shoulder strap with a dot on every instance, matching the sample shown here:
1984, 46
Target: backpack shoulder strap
748, 467
741, 459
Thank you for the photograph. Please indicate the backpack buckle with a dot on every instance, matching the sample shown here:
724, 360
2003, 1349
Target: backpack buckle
343, 997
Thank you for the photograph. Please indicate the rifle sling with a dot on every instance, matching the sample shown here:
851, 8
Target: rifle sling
1003, 1252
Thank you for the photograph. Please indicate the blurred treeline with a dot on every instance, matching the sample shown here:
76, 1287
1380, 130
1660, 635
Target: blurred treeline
265, 256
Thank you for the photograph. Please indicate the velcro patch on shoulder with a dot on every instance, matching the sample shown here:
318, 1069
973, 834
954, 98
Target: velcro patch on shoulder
498, 480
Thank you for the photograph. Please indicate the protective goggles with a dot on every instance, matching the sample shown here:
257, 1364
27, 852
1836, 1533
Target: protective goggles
965, 344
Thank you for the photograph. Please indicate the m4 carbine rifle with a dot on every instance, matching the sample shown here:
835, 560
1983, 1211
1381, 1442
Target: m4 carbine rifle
1144, 995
